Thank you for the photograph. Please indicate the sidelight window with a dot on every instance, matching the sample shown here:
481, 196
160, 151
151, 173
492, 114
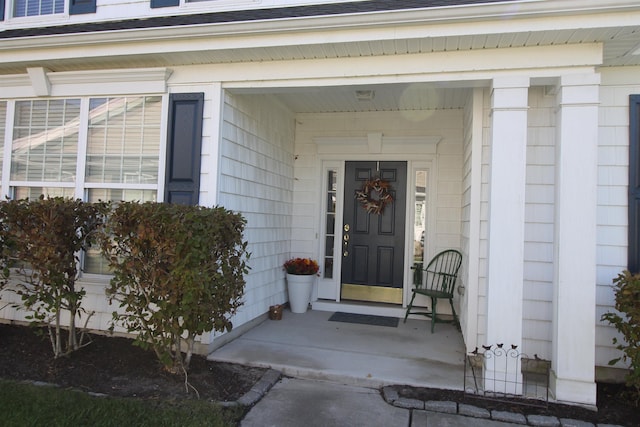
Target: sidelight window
330, 223
419, 226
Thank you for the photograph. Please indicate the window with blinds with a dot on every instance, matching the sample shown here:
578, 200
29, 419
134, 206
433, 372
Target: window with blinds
89, 148
37, 7
122, 142
45, 140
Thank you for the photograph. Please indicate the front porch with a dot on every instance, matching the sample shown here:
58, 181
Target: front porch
310, 346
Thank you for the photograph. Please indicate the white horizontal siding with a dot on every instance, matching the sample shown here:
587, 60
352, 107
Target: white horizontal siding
484, 219
256, 180
470, 227
98, 313
539, 224
108, 10
612, 226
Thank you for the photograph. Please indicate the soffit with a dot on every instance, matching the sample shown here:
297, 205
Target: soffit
619, 44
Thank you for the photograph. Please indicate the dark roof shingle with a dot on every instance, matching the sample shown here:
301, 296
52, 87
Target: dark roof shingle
248, 15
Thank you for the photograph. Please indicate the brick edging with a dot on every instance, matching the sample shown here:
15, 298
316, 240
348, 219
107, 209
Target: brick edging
259, 389
391, 396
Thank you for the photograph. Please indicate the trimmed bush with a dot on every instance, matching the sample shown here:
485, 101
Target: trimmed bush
627, 289
41, 243
178, 272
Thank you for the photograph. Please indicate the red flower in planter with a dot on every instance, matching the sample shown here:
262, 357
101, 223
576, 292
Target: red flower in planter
301, 266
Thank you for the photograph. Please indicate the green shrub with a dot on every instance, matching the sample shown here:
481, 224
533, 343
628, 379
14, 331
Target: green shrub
178, 272
42, 240
627, 289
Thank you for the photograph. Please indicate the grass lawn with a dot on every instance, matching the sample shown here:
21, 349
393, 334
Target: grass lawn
31, 405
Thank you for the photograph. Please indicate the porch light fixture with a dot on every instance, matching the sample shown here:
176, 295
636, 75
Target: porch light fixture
365, 95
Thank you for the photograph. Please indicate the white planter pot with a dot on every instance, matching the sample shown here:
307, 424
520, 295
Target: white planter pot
299, 288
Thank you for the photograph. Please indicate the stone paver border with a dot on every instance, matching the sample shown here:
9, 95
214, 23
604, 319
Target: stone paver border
391, 396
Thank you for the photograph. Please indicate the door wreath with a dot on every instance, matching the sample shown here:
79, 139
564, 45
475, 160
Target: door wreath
383, 196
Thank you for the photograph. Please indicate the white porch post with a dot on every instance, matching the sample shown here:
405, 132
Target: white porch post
509, 102
575, 239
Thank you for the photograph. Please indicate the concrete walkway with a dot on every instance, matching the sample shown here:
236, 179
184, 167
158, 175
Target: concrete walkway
310, 346
295, 403
341, 372
308, 403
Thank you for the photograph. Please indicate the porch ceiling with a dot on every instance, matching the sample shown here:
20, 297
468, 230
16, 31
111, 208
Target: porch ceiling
389, 97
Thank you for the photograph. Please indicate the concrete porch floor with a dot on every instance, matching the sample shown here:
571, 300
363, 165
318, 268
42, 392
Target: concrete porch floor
309, 346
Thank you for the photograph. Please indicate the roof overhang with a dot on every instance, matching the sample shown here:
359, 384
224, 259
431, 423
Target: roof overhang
524, 23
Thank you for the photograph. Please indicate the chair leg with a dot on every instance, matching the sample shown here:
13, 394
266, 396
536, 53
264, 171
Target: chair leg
455, 316
434, 303
409, 307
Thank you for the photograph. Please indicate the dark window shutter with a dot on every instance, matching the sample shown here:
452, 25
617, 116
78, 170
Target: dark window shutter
2, 10
633, 261
78, 7
184, 141
164, 3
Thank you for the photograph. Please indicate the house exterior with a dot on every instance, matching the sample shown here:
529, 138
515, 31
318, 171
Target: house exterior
503, 129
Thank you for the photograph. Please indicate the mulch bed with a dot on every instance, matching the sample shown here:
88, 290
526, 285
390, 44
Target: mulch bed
113, 366
614, 404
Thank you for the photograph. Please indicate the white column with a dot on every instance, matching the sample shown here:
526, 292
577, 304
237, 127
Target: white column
575, 239
509, 102
473, 264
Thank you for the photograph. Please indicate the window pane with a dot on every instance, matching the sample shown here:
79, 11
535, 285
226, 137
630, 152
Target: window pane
32, 193
419, 227
119, 195
45, 140
124, 140
37, 7
123, 147
330, 223
93, 261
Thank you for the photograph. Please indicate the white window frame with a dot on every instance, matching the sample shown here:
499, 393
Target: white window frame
81, 187
329, 288
10, 8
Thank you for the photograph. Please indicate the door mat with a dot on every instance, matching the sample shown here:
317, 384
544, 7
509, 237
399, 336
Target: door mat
364, 319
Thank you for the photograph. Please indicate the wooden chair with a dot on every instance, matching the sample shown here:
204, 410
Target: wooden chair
437, 281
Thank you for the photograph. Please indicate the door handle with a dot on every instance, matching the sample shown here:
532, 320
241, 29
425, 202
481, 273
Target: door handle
345, 241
